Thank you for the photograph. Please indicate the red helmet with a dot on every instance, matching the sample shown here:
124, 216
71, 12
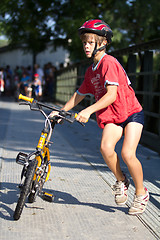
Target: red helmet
98, 27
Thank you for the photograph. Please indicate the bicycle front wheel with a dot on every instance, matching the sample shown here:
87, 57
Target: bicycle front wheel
25, 189
38, 185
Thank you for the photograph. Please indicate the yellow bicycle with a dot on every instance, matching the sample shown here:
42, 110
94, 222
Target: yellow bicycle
36, 165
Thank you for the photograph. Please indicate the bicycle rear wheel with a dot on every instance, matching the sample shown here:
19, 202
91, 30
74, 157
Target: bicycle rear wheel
25, 189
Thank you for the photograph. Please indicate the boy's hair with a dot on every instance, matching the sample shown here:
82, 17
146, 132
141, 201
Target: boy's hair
97, 38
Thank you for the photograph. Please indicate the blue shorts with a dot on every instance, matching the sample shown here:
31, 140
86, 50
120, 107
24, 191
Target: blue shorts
136, 117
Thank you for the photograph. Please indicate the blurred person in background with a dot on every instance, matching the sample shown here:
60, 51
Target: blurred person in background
24, 83
1, 81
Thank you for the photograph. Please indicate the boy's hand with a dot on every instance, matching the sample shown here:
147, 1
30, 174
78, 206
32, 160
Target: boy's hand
83, 116
53, 114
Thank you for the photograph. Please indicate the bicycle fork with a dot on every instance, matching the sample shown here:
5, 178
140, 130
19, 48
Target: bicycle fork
44, 155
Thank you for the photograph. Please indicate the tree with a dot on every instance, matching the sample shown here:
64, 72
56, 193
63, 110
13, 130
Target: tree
26, 22
36, 22
71, 16
132, 21
138, 19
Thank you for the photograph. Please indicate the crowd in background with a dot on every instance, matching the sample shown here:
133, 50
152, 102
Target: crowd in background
34, 82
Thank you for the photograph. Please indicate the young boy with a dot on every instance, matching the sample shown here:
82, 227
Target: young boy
37, 86
117, 109
1, 82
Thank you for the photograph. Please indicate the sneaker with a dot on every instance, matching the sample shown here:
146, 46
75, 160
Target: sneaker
120, 189
139, 204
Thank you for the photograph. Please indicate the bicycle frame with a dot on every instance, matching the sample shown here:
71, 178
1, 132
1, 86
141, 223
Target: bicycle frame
43, 149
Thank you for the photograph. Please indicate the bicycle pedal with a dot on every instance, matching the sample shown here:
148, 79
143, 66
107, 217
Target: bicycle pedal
22, 158
47, 196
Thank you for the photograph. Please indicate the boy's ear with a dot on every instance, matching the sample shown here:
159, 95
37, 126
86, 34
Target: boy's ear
104, 43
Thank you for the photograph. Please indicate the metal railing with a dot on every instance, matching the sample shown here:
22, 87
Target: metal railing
142, 64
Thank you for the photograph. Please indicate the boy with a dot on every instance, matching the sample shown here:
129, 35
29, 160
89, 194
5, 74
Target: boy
117, 109
37, 86
1, 82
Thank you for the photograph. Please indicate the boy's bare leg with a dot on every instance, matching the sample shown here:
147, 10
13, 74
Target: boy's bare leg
110, 136
132, 136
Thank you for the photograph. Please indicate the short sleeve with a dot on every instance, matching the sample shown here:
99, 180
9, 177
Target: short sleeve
111, 73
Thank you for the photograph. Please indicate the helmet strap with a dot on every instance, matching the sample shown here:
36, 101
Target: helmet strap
98, 49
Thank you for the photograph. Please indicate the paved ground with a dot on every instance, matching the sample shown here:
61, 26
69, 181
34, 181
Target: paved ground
83, 207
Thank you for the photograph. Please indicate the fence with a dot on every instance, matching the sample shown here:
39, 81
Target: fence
142, 64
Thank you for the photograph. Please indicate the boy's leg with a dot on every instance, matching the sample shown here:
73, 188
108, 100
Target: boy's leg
133, 132
110, 136
132, 135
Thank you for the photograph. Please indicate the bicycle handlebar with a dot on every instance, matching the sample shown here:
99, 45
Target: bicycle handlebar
26, 98
35, 105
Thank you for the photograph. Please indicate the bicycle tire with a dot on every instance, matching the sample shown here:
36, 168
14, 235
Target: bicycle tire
25, 189
32, 195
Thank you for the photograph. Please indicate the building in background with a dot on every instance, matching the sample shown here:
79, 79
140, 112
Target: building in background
17, 57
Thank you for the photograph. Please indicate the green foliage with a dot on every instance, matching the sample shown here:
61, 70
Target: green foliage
132, 21
25, 22
36, 22
139, 18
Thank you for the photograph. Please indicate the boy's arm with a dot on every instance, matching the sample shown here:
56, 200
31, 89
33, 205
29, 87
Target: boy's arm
74, 100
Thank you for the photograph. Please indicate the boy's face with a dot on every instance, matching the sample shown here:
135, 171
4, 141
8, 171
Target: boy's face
89, 42
89, 45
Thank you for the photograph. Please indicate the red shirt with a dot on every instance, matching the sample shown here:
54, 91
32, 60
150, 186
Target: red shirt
109, 71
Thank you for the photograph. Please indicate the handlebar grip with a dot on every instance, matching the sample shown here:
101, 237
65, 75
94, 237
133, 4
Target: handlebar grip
76, 116
26, 98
